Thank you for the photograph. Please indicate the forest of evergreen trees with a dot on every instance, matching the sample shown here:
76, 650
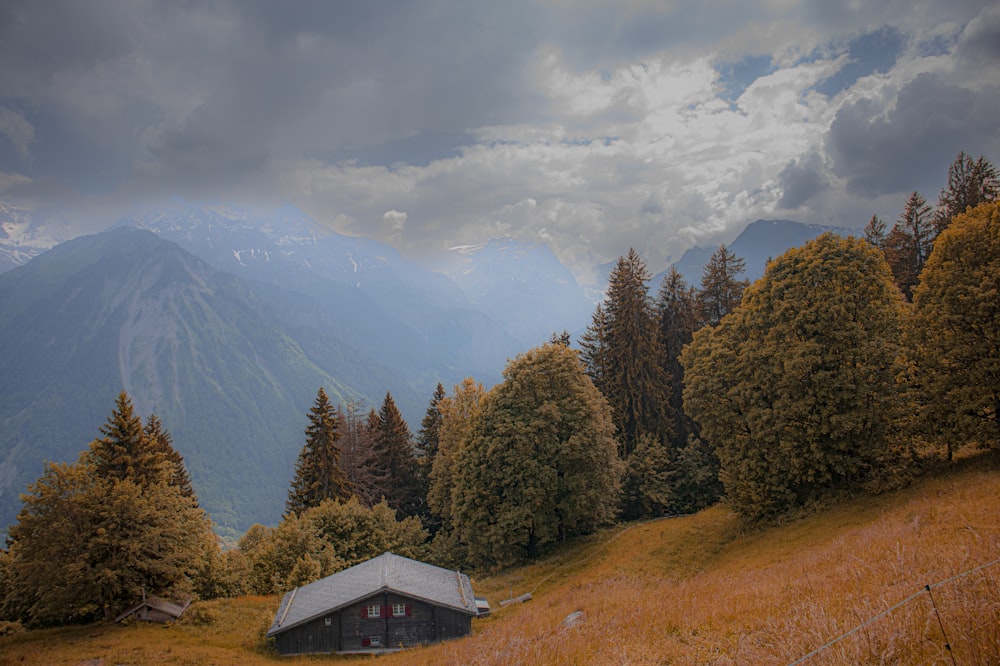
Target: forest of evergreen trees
852, 365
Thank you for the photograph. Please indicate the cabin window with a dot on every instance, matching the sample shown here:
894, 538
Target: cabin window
375, 641
373, 610
328, 621
399, 610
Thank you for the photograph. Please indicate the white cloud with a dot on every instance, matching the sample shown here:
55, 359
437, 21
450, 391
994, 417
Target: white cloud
588, 126
17, 130
9, 181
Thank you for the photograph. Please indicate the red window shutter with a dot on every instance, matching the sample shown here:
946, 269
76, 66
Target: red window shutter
409, 610
366, 642
364, 612
387, 611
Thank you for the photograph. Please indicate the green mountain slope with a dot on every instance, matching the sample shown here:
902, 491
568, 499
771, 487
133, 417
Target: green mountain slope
127, 310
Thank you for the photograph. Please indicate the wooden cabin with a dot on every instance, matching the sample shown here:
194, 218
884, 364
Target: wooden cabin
154, 609
388, 602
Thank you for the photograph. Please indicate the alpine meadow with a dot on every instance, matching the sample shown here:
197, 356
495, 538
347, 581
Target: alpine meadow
833, 419
530, 332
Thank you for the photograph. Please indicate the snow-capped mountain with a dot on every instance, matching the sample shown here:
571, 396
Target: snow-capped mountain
23, 237
286, 243
364, 293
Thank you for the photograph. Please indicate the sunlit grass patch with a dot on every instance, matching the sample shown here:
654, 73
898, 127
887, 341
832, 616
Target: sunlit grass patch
702, 589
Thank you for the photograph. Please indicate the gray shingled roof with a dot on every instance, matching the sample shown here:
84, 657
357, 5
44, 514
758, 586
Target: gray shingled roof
385, 573
172, 608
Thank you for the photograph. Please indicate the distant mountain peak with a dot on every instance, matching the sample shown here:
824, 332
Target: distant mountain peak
759, 241
23, 236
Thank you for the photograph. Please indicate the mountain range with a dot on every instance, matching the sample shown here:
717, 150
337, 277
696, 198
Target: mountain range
757, 244
225, 325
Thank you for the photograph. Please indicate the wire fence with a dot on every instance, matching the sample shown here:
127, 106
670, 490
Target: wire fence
926, 590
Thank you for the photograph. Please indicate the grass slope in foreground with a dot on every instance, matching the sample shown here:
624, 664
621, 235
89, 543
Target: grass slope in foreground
693, 590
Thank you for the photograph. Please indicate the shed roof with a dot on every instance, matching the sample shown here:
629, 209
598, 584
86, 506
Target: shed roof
386, 573
171, 608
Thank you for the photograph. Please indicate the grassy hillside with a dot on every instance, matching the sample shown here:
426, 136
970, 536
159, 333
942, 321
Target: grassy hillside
693, 590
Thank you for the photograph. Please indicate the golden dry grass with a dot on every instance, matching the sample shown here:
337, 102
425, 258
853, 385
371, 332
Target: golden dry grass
693, 590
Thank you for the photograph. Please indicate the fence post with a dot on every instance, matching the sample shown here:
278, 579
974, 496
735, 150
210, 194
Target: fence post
947, 645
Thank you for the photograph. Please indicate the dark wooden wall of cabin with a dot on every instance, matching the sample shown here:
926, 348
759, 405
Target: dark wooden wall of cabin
313, 636
452, 624
349, 629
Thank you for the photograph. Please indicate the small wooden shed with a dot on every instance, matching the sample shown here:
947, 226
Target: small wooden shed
387, 602
155, 609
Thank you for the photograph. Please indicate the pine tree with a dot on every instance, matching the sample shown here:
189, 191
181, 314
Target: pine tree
695, 484
161, 441
899, 254
916, 220
401, 486
125, 451
632, 376
357, 454
693, 466
970, 183
721, 291
541, 463
796, 389
677, 317
563, 338
875, 232
428, 439
593, 346
318, 474
910, 242
430, 427
647, 489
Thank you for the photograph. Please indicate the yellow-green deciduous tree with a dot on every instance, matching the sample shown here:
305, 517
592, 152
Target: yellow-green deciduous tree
796, 388
541, 463
955, 331
322, 540
458, 412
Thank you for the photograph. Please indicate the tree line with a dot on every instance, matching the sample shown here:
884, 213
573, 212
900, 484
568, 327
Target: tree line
850, 366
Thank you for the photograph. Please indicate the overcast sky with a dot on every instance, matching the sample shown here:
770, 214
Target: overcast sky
590, 126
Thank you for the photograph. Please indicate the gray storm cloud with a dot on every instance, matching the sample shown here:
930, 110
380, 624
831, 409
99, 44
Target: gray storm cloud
627, 124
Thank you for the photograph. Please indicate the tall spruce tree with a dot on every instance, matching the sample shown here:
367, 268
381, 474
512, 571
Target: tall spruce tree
394, 444
917, 221
902, 260
161, 441
357, 453
910, 242
693, 474
721, 289
626, 344
124, 451
677, 319
318, 472
796, 389
593, 346
428, 439
875, 232
970, 183
430, 427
